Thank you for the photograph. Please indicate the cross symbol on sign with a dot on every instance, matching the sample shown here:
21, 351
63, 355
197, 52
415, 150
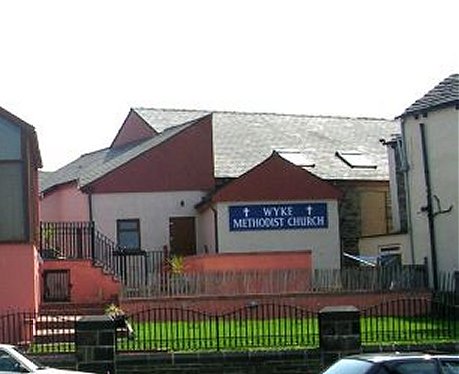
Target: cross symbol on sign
309, 210
246, 212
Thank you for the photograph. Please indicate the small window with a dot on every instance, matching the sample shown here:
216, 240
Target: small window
390, 256
297, 158
356, 159
128, 234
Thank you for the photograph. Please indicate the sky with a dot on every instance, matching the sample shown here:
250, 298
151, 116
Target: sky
73, 69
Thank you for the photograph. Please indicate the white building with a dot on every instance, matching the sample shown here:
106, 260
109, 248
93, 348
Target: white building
426, 166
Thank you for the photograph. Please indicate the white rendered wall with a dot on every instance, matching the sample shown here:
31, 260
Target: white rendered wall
324, 243
152, 209
206, 232
442, 138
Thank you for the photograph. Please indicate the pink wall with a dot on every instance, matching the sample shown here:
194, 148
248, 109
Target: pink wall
259, 266
89, 283
19, 278
250, 261
64, 203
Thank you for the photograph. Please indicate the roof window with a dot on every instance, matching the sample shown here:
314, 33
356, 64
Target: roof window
356, 159
297, 158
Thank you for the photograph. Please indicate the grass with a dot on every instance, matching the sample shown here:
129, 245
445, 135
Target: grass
233, 335
236, 332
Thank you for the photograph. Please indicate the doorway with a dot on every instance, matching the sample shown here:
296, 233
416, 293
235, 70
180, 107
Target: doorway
182, 236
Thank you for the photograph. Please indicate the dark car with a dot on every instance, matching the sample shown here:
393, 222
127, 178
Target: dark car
396, 363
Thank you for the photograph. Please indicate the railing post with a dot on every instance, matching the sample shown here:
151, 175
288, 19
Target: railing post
93, 240
79, 242
217, 332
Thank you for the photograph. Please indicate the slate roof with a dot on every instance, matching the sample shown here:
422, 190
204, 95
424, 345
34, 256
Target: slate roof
444, 94
243, 140
91, 166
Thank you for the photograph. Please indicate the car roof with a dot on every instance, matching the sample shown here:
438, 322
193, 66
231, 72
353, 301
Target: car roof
394, 356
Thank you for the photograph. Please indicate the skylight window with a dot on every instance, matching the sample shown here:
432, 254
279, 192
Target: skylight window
356, 159
297, 158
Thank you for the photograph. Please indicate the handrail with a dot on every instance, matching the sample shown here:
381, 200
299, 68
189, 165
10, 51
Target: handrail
81, 240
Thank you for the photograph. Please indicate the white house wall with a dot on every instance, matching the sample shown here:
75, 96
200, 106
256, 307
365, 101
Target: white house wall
206, 232
152, 209
324, 243
441, 128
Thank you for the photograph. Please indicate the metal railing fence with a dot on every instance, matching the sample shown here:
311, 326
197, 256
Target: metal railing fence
255, 326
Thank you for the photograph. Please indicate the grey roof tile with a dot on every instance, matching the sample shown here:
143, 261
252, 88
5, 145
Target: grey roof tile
445, 93
243, 140
92, 166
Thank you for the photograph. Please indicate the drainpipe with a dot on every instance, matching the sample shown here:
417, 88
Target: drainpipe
408, 192
90, 206
215, 228
429, 207
93, 233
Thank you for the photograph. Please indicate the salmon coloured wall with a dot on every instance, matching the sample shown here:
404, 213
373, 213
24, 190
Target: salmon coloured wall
65, 203
89, 284
250, 261
19, 268
260, 268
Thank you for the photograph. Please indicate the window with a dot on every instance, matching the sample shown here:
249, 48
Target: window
356, 159
297, 158
128, 234
420, 367
450, 366
390, 256
13, 200
8, 363
349, 366
373, 212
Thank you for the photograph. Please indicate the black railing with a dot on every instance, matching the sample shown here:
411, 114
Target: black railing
254, 327
66, 239
81, 240
268, 326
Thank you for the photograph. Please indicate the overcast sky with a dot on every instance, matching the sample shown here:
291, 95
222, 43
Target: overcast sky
73, 69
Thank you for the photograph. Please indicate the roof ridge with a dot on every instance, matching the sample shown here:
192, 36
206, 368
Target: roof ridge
235, 112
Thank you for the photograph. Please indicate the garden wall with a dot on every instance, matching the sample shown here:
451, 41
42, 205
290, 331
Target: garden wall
312, 302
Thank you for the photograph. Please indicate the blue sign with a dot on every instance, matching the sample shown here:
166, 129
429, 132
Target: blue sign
278, 217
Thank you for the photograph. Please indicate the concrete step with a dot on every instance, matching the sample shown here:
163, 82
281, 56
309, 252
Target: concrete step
63, 308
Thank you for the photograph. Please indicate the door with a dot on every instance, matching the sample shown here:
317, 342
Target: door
182, 236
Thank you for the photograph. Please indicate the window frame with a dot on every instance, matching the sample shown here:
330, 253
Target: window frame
137, 230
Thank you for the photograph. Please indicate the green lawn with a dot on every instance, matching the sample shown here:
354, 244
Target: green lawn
238, 334
280, 333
